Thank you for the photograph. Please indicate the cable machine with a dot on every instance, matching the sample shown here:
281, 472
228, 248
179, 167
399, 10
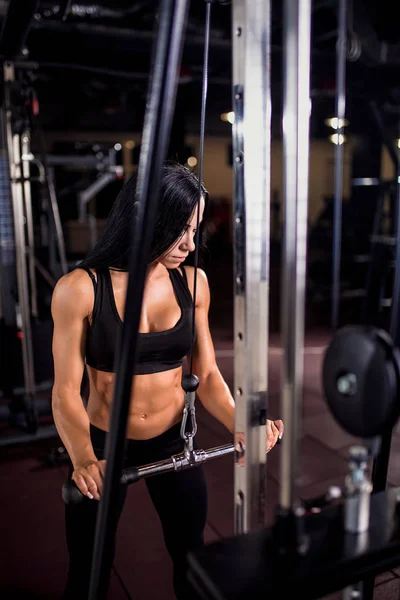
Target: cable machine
305, 554
20, 264
347, 543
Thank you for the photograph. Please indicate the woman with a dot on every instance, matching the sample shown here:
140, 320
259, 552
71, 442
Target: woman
87, 308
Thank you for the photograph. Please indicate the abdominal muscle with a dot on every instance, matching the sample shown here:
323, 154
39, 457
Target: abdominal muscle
157, 402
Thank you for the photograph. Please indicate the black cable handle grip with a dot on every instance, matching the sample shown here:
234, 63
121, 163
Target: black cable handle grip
71, 494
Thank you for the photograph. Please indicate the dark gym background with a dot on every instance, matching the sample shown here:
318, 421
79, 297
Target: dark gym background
82, 71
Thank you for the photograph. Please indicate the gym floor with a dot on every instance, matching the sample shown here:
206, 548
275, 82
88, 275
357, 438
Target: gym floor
33, 554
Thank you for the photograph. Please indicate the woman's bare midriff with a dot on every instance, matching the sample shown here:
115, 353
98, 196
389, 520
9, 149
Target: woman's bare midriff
157, 402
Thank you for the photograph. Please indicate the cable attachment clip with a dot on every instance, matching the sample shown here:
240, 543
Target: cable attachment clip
190, 383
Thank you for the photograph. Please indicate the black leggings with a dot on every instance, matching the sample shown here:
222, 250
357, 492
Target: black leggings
179, 498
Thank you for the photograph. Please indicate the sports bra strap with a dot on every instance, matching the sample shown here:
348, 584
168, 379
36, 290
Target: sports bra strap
92, 277
184, 275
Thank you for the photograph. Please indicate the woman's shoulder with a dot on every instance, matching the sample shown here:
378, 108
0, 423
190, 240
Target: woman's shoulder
201, 275
202, 291
74, 291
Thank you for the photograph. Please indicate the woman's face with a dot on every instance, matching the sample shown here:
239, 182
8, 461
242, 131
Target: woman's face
180, 250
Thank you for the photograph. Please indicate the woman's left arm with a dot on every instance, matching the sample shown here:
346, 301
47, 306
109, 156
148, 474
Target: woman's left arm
213, 392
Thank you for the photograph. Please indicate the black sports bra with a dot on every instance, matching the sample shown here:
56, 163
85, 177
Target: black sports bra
157, 351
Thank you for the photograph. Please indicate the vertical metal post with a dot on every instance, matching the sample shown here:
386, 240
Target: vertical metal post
296, 112
22, 308
341, 49
26, 172
251, 222
7, 237
395, 306
156, 134
56, 226
381, 460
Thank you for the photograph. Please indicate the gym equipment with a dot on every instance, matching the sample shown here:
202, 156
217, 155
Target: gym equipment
17, 142
352, 535
251, 98
361, 376
249, 567
341, 53
114, 172
313, 553
178, 462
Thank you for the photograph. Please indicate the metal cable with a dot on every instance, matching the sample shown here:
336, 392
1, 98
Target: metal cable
200, 171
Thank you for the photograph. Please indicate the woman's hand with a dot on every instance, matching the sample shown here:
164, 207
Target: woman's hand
274, 432
88, 478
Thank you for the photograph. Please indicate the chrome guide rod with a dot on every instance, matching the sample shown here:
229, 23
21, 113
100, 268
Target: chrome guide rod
26, 172
296, 113
251, 223
339, 157
23, 307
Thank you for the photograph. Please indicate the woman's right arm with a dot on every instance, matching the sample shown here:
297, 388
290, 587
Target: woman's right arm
72, 303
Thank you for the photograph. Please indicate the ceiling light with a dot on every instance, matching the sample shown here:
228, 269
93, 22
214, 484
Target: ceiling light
336, 123
192, 161
117, 147
129, 144
229, 117
337, 138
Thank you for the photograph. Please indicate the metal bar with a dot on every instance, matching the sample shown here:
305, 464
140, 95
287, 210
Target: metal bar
87, 195
25, 147
94, 188
381, 461
365, 181
191, 395
251, 222
51, 242
22, 308
7, 238
45, 273
296, 112
57, 230
172, 18
394, 316
180, 462
339, 151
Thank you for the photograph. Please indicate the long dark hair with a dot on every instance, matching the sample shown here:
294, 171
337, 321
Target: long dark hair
178, 200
